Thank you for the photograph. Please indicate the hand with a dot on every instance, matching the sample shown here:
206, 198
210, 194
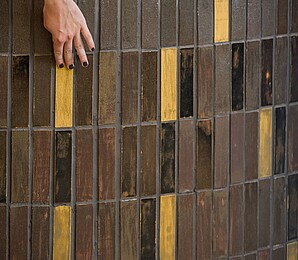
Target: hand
65, 21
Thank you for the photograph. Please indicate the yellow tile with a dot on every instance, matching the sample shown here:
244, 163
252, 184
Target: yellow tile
62, 232
265, 152
167, 227
221, 20
168, 84
292, 251
64, 90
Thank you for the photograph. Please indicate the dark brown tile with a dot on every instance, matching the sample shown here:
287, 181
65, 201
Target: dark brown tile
63, 160
106, 163
294, 69
266, 85
282, 16
149, 86
106, 231
84, 165
20, 92
4, 27
3, 89
280, 140
205, 21
20, 167
40, 233
129, 24
268, 18
41, 166
253, 19
148, 160
253, 75
204, 176
3, 231
238, 21
168, 23
205, 82
148, 227
186, 156
264, 254
84, 231
167, 158
250, 257
186, 22
221, 152
278, 253
129, 162
292, 139
264, 213
237, 76
292, 207
129, 87
294, 20
150, 24
3, 167
186, 82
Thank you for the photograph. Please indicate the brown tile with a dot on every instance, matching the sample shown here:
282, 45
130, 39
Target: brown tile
292, 207
264, 254
294, 20
3, 167
278, 253
41, 166
106, 163
221, 152
238, 21
106, 230
40, 233
266, 85
237, 76
20, 92
205, 21
129, 87
84, 231
129, 24
128, 229
250, 257
63, 161
167, 158
282, 16
186, 22
20, 167
149, 86
129, 162
148, 160
3, 231
268, 18
253, 19
150, 24
292, 139
205, 82
185, 226
186, 82
84, 165
148, 227
264, 213
3, 89
4, 27
168, 23
204, 176
294, 69
280, 140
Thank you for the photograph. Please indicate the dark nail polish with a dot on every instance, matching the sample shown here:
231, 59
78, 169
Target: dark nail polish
70, 66
85, 64
93, 49
61, 65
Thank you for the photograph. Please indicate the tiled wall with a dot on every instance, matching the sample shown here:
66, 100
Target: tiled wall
179, 141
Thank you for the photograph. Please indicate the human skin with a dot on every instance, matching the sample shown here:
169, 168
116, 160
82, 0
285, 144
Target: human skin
65, 21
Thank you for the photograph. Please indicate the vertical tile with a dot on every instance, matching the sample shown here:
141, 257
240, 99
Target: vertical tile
20, 91
253, 75
84, 164
84, 231
168, 23
279, 140
106, 163
150, 24
238, 22
292, 139
219, 221
167, 227
204, 173
186, 83
149, 85
62, 177
42, 91
221, 152
266, 85
265, 148
292, 207
106, 230
221, 20
264, 254
63, 101
168, 84
129, 162
107, 88
268, 17
186, 22
186, 156
20, 167
129, 24
292, 251
128, 229
253, 19
278, 253
282, 16
294, 20
148, 228
205, 21
40, 233
222, 79
205, 82
237, 147
3, 230
167, 158
3, 167
3, 89
294, 69
41, 166
62, 233
18, 233
4, 27
148, 161
129, 87
185, 226
237, 76
251, 257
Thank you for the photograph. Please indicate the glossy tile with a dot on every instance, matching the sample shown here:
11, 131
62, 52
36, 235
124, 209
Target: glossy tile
266, 82
221, 20
294, 69
292, 251
280, 140
237, 76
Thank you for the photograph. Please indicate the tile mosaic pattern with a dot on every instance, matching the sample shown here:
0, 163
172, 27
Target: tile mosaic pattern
179, 141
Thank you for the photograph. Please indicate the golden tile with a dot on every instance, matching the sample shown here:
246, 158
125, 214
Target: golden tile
292, 251
221, 20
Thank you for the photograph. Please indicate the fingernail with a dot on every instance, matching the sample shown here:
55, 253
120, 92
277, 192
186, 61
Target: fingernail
70, 66
93, 49
61, 65
85, 64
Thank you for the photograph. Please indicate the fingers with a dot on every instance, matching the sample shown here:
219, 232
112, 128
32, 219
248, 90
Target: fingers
79, 46
88, 37
58, 53
68, 57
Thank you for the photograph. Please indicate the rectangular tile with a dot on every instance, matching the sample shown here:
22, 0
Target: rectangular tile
168, 84
237, 76
167, 227
3, 167
205, 21
150, 24
278, 253
168, 23
221, 20
294, 18
186, 22
264, 254
292, 139
282, 16
292, 207
251, 257
266, 84
292, 251
4, 27
238, 30
268, 18
106, 163
279, 140
294, 69
62, 233
253, 19
3, 88
3, 230
129, 24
